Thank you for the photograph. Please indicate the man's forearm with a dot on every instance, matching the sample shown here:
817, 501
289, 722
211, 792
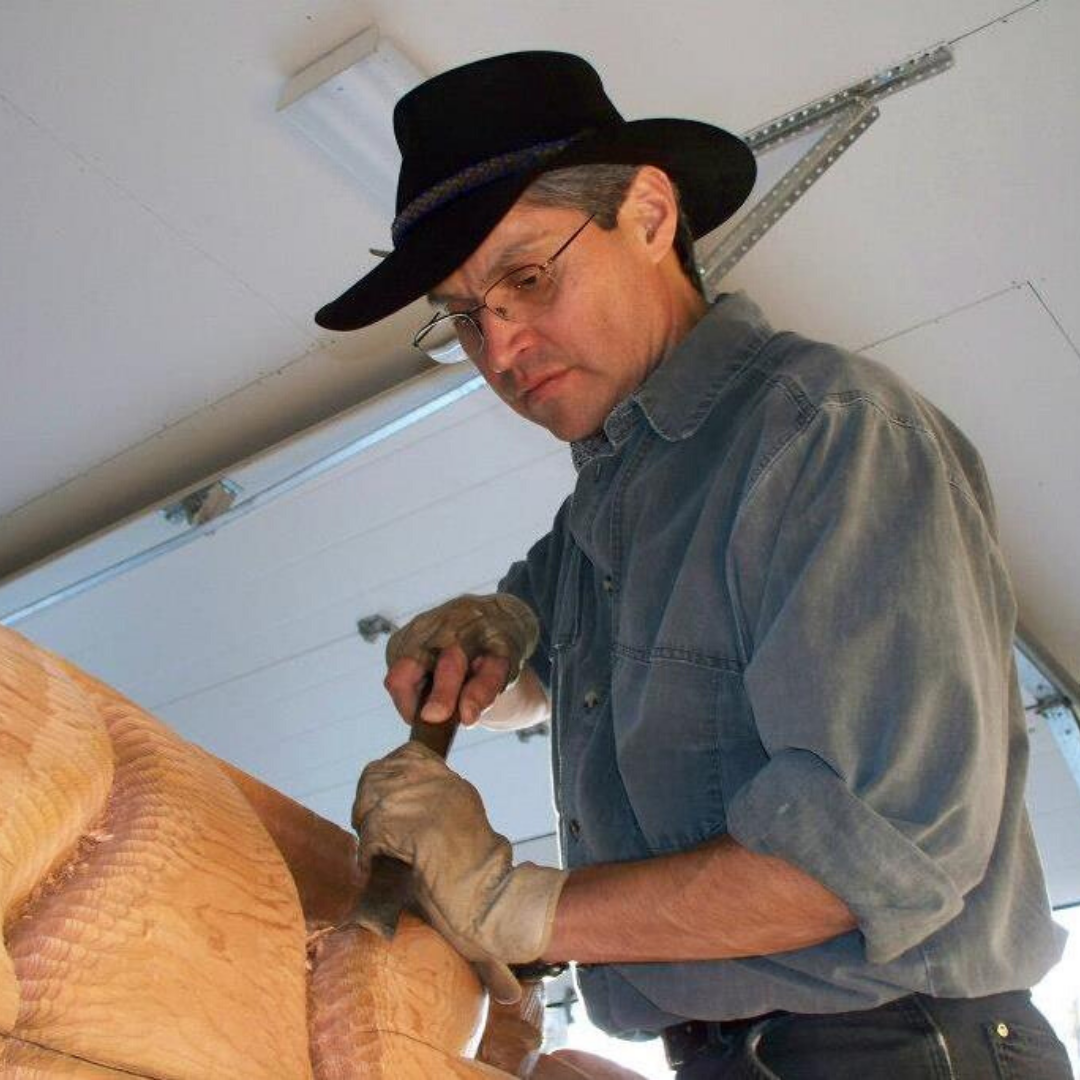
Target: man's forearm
715, 902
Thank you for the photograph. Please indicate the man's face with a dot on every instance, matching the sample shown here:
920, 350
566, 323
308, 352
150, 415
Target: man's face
597, 341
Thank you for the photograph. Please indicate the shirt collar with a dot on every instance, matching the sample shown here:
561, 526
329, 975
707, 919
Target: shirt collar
682, 391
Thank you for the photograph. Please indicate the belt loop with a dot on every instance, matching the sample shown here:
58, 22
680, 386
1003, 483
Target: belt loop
685, 1041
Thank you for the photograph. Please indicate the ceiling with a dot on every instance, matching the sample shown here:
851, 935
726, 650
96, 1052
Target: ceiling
165, 238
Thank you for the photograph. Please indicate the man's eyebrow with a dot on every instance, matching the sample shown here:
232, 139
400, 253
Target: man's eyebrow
508, 259
436, 299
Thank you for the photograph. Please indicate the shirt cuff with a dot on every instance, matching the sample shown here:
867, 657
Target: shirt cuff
799, 810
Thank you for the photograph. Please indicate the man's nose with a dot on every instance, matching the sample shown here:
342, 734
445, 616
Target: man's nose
504, 343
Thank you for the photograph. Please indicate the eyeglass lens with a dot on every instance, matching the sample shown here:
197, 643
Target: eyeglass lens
445, 340
524, 292
518, 297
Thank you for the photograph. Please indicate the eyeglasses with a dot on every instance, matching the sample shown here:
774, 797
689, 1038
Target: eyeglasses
517, 297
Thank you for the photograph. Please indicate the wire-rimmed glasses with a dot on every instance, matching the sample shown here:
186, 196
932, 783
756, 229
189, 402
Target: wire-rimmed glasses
451, 336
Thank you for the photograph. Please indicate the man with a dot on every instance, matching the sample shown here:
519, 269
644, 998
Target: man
772, 626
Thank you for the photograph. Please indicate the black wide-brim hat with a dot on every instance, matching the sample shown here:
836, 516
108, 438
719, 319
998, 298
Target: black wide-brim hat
472, 140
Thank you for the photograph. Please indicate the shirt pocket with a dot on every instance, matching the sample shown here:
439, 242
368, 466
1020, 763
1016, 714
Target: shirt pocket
668, 747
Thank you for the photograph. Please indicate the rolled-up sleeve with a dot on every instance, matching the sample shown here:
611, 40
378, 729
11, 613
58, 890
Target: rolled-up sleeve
877, 620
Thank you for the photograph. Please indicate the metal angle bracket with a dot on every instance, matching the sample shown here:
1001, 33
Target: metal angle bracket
848, 113
202, 506
881, 84
372, 627
848, 124
543, 730
1061, 720
1056, 695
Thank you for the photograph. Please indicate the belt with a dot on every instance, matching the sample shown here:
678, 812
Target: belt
683, 1042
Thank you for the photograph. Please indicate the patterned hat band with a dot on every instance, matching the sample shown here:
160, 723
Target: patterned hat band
475, 176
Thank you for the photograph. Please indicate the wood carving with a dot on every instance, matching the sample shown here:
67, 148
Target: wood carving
514, 1033
167, 916
23, 1061
163, 927
410, 991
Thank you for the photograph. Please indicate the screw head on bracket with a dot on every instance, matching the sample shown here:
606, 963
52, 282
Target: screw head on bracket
372, 627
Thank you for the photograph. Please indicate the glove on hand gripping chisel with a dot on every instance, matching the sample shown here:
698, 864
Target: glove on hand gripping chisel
425, 839
389, 888
499, 625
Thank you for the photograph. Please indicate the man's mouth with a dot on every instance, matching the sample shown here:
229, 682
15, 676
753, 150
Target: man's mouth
542, 387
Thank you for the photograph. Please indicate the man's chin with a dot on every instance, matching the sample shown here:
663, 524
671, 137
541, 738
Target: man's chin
571, 435
566, 424
565, 428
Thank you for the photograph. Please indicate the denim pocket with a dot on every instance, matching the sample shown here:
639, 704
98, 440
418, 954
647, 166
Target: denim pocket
1027, 1053
668, 749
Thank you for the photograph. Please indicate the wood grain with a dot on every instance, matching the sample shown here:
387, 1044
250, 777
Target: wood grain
154, 903
320, 855
387, 1055
514, 1033
173, 944
56, 770
22, 1061
415, 986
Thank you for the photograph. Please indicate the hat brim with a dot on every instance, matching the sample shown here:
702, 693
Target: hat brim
713, 169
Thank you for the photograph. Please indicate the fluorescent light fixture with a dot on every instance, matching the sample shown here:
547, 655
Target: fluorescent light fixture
344, 103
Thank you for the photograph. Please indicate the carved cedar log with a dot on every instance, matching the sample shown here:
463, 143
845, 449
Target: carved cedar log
162, 928
515, 1033
402, 1009
407, 1009
156, 905
22, 1061
153, 928
320, 855
56, 771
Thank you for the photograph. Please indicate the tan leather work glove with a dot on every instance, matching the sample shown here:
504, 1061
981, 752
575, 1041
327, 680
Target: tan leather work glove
473, 646
411, 805
499, 624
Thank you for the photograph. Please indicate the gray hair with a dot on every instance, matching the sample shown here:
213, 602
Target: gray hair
600, 190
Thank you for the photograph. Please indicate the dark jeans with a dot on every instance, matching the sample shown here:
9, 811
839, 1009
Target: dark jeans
914, 1038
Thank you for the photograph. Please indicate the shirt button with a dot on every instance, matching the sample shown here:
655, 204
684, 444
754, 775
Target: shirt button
575, 827
609, 584
591, 699
1003, 1030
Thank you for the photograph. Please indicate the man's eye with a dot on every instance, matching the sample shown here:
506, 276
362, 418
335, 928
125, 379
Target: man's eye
527, 279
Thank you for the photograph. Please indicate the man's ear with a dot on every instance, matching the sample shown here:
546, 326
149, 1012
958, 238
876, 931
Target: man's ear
651, 212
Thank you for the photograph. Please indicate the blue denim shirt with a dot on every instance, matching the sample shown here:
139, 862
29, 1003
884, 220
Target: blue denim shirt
774, 606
